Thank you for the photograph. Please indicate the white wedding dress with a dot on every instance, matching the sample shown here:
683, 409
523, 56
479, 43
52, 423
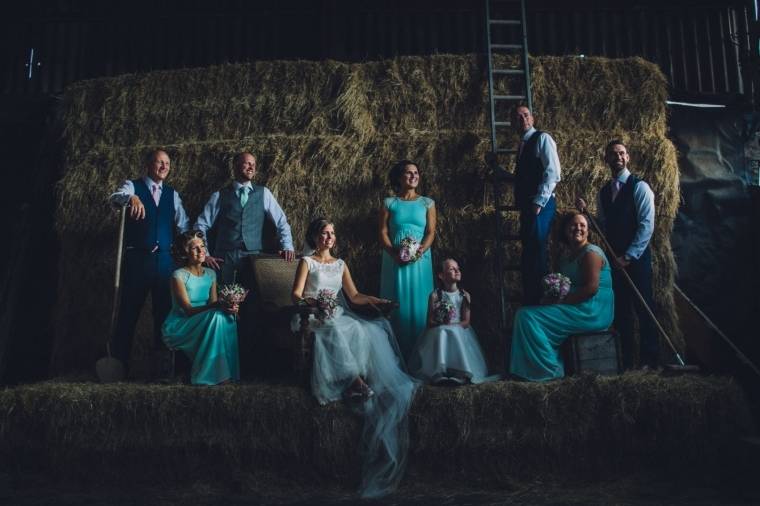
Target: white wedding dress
347, 346
448, 349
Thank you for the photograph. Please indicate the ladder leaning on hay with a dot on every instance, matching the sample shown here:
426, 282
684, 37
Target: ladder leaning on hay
508, 34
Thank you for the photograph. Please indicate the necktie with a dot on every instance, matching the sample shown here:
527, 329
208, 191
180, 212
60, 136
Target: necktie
243, 195
520, 148
156, 194
616, 185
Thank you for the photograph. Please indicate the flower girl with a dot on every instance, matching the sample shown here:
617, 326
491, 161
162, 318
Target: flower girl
448, 351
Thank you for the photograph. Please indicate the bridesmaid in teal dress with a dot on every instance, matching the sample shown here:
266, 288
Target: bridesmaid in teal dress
409, 282
203, 327
588, 307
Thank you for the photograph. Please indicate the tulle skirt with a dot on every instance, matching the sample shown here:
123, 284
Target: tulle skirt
348, 346
447, 349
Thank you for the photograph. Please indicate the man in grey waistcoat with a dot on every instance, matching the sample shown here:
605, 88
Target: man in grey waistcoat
237, 213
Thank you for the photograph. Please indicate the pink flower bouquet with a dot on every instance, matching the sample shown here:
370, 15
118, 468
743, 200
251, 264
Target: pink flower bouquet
409, 250
443, 311
232, 294
327, 303
556, 286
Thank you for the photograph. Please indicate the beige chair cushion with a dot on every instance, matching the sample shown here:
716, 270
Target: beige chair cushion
274, 281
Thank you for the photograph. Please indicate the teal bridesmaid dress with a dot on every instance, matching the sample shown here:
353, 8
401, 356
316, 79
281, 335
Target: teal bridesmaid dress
540, 330
209, 338
408, 284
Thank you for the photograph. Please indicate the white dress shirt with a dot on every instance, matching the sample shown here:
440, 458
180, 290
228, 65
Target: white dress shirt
272, 209
643, 200
546, 150
123, 193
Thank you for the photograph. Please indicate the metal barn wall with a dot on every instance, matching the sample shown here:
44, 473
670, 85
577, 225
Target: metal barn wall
700, 45
701, 48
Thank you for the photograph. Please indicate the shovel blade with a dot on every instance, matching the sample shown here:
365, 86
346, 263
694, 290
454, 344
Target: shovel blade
109, 370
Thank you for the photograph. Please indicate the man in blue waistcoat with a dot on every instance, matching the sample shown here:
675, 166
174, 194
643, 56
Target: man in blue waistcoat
237, 213
155, 211
626, 214
536, 176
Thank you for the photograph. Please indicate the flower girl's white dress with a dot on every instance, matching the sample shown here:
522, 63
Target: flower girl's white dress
347, 346
449, 349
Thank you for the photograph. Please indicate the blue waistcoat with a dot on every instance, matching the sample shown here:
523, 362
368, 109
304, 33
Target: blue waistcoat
620, 217
157, 228
529, 172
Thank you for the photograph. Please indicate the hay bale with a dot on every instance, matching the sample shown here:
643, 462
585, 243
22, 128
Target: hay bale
326, 134
588, 426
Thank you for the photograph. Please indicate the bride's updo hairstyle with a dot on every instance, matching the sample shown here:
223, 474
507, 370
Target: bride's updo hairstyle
315, 228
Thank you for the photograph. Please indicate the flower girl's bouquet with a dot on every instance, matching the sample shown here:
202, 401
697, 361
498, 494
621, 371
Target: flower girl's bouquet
327, 304
443, 311
410, 250
556, 286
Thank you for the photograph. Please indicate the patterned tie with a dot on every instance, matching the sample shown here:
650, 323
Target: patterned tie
616, 185
243, 190
156, 194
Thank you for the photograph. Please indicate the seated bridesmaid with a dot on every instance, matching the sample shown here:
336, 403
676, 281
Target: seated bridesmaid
588, 307
198, 324
448, 351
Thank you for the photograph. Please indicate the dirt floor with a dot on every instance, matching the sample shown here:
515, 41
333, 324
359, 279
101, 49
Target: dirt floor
634, 490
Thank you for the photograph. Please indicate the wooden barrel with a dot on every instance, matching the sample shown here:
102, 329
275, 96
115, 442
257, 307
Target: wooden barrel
596, 352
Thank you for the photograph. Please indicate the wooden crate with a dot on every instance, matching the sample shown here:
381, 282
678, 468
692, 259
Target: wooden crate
595, 352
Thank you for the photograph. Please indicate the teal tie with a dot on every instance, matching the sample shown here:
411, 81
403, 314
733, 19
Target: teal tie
243, 195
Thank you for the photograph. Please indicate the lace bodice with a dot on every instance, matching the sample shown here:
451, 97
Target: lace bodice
323, 276
197, 287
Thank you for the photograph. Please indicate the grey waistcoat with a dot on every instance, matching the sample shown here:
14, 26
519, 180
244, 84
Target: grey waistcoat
240, 227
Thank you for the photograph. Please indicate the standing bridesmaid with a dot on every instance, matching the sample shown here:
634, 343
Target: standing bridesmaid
407, 218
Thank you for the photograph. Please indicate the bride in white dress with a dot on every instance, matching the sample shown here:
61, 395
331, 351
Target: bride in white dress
356, 359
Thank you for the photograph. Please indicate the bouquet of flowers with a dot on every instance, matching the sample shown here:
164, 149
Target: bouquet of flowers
327, 303
444, 311
410, 250
232, 294
556, 286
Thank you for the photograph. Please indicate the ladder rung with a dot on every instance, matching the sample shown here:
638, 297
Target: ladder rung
509, 97
505, 21
509, 71
502, 123
506, 46
507, 151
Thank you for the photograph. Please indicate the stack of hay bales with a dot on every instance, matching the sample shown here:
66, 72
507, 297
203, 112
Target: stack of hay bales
325, 134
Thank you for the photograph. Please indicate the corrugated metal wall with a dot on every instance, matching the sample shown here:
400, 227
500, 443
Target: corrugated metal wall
699, 45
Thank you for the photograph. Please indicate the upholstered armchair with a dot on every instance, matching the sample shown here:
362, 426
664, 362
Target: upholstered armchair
274, 312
